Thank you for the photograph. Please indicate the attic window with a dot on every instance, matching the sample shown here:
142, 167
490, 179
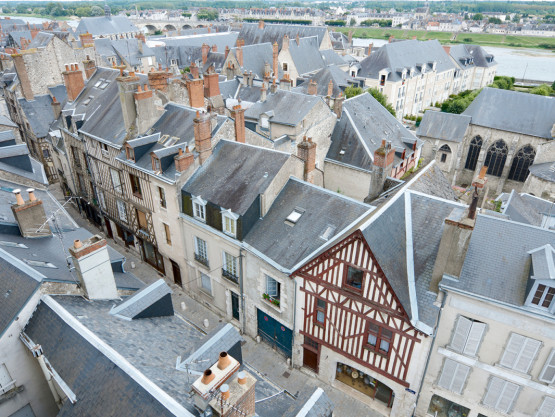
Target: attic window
42, 264
97, 84
130, 153
295, 215
171, 141
104, 85
328, 232
87, 100
13, 244
163, 139
156, 166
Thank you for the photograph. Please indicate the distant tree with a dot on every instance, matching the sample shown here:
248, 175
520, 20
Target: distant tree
353, 22
382, 99
21, 8
83, 11
466, 17
503, 82
542, 90
97, 11
6, 9
478, 16
207, 15
507, 17
516, 18
58, 11
553, 85
352, 91
494, 20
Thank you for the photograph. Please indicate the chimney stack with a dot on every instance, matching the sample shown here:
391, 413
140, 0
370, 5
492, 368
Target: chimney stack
194, 71
338, 105
285, 43
56, 108
285, 83
239, 55
350, 37
205, 49
90, 67
230, 72
203, 136
86, 40
391, 39
273, 86
275, 64
370, 46
297, 39
263, 90
447, 49
312, 88
306, 150
261, 24
184, 160
240, 42
195, 89
94, 269
226, 53
23, 76
238, 114
73, 80
158, 79
214, 48
211, 83
30, 215
146, 110
127, 85
383, 163
330, 88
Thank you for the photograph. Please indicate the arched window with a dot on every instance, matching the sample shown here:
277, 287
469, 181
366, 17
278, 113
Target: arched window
473, 153
443, 151
521, 162
496, 157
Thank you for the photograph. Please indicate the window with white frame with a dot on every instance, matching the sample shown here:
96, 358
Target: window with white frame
273, 288
453, 376
230, 269
520, 352
547, 409
467, 336
116, 180
122, 212
6, 382
199, 208
500, 394
548, 371
101, 200
201, 251
543, 296
229, 223
206, 283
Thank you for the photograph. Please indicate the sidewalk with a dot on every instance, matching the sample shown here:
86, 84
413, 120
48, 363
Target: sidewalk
259, 356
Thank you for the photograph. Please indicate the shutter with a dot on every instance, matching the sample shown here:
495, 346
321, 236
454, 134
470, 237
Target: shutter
493, 393
448, 373
547, 408
548, 371
527, 355
460, 378
460, 334
474, 338
512, 351
507, 397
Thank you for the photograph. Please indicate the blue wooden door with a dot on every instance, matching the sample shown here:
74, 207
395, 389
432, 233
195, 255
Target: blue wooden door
275, 333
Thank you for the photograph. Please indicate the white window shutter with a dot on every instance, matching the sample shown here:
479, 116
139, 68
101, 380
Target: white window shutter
447, 374
494, 391
527, 355
512, 351
460, 378
460, 334
474, 338
547, 408
508, 397
548, 371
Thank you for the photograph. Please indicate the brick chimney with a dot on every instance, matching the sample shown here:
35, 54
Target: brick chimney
275, 64
306, 150
261, 24
56, 108
158, 79
447, 49
338, 105
239, 55
285, 43
230, 71
263, 91
312, 88
238, 114
240, 42
297, 39
285, 83
226, 53
391, 39
330, 88
350, 37
90, 67
196, 93
194, 71
86, 40
211, 83
184, 160
30, 215
203, 135
146, 110
214, 48
73, 80
94, 269
383, 163
23, 76
273, 86
205, 49
370, 46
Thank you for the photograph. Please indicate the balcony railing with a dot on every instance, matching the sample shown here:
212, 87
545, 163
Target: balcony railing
230, 276
202, 260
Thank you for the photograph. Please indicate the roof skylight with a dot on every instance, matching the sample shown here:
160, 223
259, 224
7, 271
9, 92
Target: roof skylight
41, 264
13, 244
295, 215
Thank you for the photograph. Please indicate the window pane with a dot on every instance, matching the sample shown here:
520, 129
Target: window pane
549, 297
320, 304
538, 295
206, 284
354, 277
387, 334
320, 316
372, 339
384, 346
271, 287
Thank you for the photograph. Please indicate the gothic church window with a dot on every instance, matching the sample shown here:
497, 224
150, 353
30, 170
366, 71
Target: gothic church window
521, 162
496, 157
473, 153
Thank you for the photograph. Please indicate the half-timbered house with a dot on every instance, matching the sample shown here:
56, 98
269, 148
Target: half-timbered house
365, 313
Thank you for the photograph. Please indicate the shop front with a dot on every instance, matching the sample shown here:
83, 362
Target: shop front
365, 384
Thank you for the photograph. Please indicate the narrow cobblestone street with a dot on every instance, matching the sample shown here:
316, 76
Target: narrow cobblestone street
260, 357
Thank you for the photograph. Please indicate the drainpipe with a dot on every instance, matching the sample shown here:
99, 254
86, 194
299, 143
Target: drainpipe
242, 290
48, 377
430, 352
294, 318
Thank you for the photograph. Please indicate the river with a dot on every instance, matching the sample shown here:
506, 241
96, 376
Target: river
72, 23
530, 64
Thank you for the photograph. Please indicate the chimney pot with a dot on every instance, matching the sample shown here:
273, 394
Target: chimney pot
224, 389
31, 192
242, 378
77, 244
18, 197
223, 361
67, 67
207, 377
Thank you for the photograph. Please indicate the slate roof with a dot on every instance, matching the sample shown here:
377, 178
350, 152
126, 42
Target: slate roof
5, 121
339, 40
271, 33
505, 245
405, 54
18, 283
41, 40
361, 129
255, 57
26, 411
235, 175
287, 244
306, 55
331, 57
444, 126
433, 183
17, 35
221, 40
17, 160
39, 113
545, 171
481, 57
322, 405
513, 111
127, 49
525, 208
287, 107
103, 25
542, 262
141, 300
341, 80
183, 54
7, 138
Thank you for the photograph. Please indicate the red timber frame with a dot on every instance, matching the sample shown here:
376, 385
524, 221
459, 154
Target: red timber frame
349, 310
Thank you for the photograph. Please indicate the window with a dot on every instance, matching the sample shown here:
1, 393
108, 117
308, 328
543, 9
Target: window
201, 252
199, 208
548, 371
156, 166
543, 296
285, 66
122, 212
116, 180
101, 199
354, 278
547, 408
442, 407
453, 376
378, 338
321, 306
135, 186
141, 218
496, 157
206, 283
229, 224
500, 394
6, 381
520, 352
168, 234
45, 153
130, 153
473, 153
229, 269
75, 154
521, 162
273, 288
162, 195
467, 336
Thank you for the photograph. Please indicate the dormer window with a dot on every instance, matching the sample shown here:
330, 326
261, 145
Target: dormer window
543, 296
199, 209
156, 165
130, 153
229, 223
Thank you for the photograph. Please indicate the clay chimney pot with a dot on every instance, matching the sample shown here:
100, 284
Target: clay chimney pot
67, 67
31, 192
224, 389
224, 361
77, 244
18, 197
207, 377
242, 378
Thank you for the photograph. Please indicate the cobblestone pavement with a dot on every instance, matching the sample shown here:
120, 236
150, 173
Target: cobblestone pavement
255, 354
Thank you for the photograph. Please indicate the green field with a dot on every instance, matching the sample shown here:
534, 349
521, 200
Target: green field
485, 39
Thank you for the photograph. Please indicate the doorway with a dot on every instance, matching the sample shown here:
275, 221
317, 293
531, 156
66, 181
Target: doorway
311, 357
176, 273
235, 306
108, 228
273, 332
